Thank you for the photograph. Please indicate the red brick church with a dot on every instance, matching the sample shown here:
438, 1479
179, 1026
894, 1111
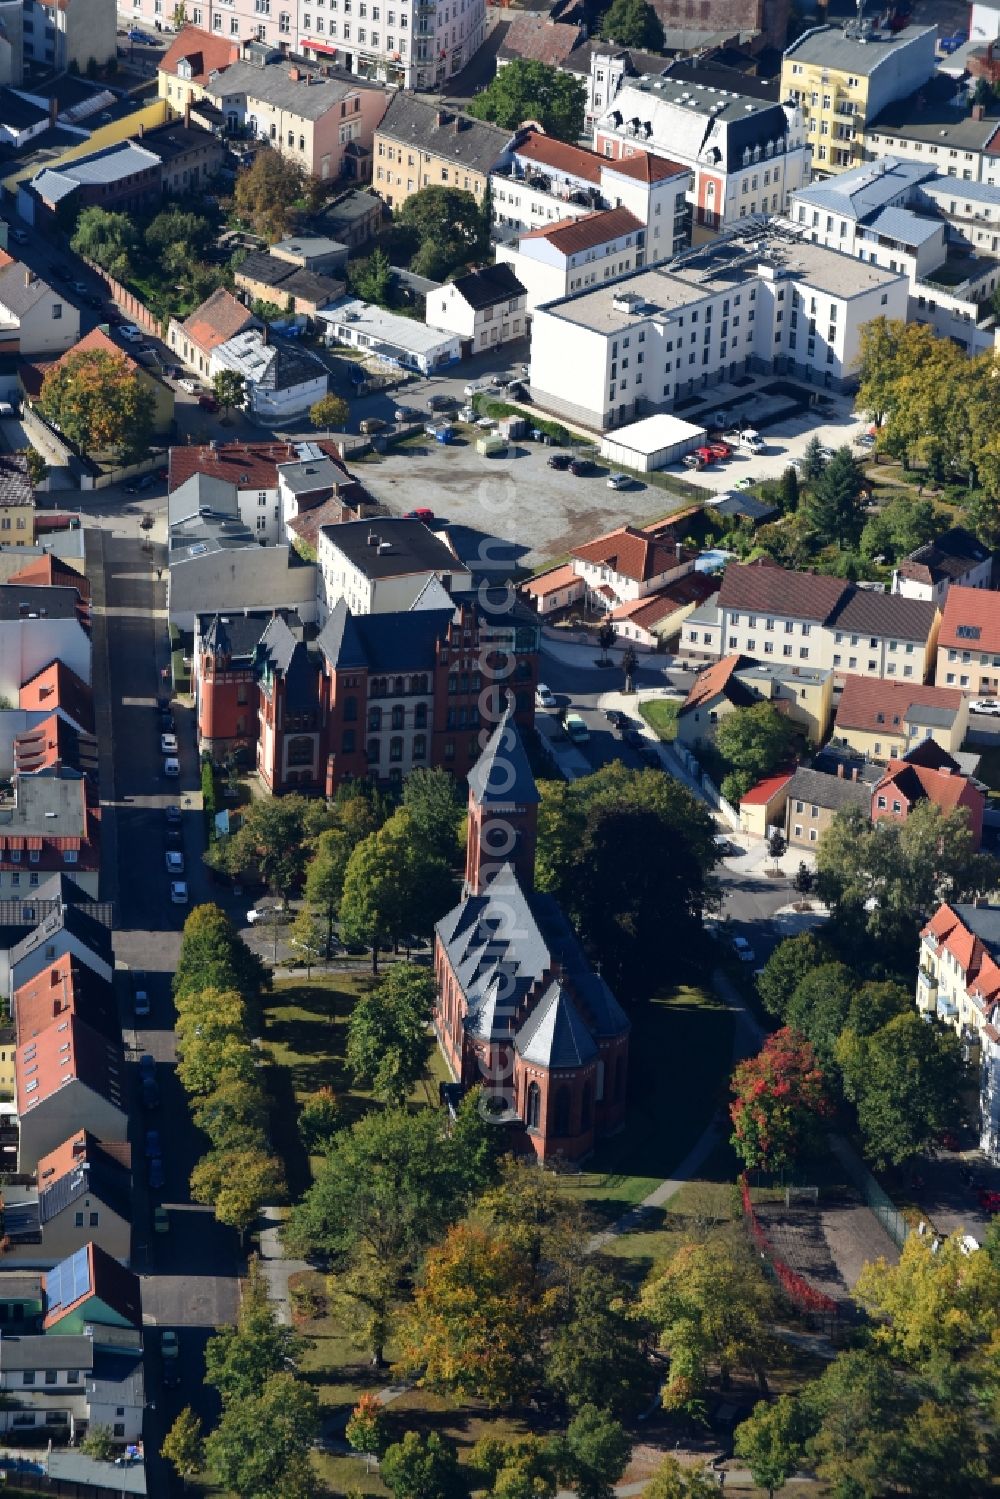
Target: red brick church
519, 1007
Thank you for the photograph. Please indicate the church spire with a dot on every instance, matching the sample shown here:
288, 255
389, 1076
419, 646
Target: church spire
503, 809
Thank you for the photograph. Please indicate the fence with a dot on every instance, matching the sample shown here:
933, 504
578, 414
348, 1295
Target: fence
711, 791
127, 300
878, 1201
800, 1293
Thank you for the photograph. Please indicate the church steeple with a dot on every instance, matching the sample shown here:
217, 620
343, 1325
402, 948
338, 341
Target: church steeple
503, 810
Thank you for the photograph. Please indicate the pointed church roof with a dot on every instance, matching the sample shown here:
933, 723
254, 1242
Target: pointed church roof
554, 1034
501, 776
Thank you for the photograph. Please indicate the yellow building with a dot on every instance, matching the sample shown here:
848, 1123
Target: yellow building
421, 144
184, 68
17, 502
884, 720
844, 77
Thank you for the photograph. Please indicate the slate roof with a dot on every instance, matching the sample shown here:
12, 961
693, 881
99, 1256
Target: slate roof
91, 933
768, 589
502, 776
485, 288
867, 612
92, 1173
834, 793
16, 293
744, 506
554, 1034
310, 96
235, 635
15, 486
413, 121
41, 1352
573, 235
877, 703
383, 642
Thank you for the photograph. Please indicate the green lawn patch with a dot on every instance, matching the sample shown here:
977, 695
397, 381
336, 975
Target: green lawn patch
680, 1054
661, 714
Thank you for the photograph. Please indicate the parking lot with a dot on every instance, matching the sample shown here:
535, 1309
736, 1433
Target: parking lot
838, 425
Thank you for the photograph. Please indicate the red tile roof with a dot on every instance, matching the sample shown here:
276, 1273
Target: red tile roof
49, 571
56, 686
765, 587
98, 341
551, 582
538, 39
715, 681
573, 235
762, 793
971, 620
248, 465
693, 588
330, 512
634, 554
81, 1146
976, 962
545, 151
202, 50
917, 782
643, 167
873, 703
220, 317
68, 1050
55, 744
64, 988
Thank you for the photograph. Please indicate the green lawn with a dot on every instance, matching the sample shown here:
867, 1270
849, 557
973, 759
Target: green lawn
661, 714
680, 1059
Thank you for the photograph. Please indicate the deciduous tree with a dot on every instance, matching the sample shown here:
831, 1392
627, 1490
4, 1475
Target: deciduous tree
436, 811
184, 1446
213, 955
786, 967
108, 239
230, 389
770, 1442
261, 1445
366, 1426
780, 1098
237, 1184
593, 1454
269, 193
239, 1360
632, 23
319, 1120
596, 1354
905, 1081
527, 90
445, 223
388, 1037
422, 1468
99, 401
754, 742
330, 413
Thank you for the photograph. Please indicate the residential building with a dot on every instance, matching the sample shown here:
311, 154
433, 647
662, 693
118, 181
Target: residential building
271, 278
530, 37
279, 381
713, 695
218, 557
39, 626
843, 78
99, 342
744, 303
88, 1292
763, 806
67, 1077
69, 35
374, 695
317, 253
519, 1008
17, 502
559, 259
195, 55
56, 688
627, 564
323, 119
81, 1194
67, 929
958, 982
907, 216
602, 67
654, 622
353, 218
394, 338
219, 318
422, 144
745, 155
935, 125
551, 592
382, 566
64, 988
34, 319
905, 785
763, 23
189, 156
123, 178
483, 308
63, 1385
802, 694
885, 720
968, 655
813, 799
955, 558
805, 619
49, 823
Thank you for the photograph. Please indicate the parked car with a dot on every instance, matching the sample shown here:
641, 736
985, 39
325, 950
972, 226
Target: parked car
692, 460
438, 402
171, 767
987, 705
173, 816
544, 696
421, 513
131, 333
147, 481
576, 729
140, 994
706, 454
208, 403
161, 1221
147, 1067
618, 481
743, 950
269, 914
720, 449
405, 414
150, 1094
559, 460
174, 861
371, 424
153, 1146
168, 744
185, 382
19, 236
581, 467
135, 35
154, 1173
989, 1200
179, 892
745, 483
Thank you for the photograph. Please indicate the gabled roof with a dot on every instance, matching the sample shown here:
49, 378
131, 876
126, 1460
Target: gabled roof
766, 790
545, 151
90, 933
631, 553
487, 287
718, 680
68, 1050
570, 236
769, 589
248, 465
58, 686
204, 53
833, 793
502, 776
396, 642
971, 620
884, 615
873, 703
537, 38
917, 783
220, 317
65, 987
552, 581
971, 934
84, 1166
91, 1274
443, 132
49, 571
642, 166
692, 588
55, 745
98, 342
946, 557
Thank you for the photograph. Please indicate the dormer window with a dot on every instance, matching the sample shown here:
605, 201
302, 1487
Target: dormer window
184, 69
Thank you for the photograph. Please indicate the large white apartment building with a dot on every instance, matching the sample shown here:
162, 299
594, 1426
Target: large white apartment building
750, 302
746, 155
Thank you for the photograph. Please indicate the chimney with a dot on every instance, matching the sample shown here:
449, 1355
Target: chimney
459, 123
678, 551
53, 111
142, 130
978, 111
294, 74
840, 770
855, 773
440, 117
373, 539
187, 113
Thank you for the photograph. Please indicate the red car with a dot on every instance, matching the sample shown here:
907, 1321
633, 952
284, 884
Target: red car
989, 1201
707, 455
422, 513
720, 450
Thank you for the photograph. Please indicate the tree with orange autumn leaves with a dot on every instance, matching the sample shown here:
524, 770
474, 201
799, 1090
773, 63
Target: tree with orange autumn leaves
780, 1097
99, 401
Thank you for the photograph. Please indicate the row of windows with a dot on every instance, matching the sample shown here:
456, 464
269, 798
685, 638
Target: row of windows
398, 718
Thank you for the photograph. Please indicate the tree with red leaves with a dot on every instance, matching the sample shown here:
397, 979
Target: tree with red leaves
780, 1097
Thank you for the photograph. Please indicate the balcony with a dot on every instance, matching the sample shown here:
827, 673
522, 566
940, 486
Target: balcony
927, 990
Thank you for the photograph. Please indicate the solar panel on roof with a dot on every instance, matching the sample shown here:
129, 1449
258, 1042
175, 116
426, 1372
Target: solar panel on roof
68, 1281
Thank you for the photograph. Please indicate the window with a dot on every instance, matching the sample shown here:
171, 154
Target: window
533, 1111
560, 1123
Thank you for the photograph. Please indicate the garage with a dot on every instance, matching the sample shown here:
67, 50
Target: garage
652, 443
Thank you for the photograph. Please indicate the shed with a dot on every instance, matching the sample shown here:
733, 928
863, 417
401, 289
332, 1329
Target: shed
652, 443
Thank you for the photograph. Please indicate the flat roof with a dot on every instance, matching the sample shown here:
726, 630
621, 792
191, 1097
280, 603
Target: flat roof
652, 433
386, 327
938, 114
835, 48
